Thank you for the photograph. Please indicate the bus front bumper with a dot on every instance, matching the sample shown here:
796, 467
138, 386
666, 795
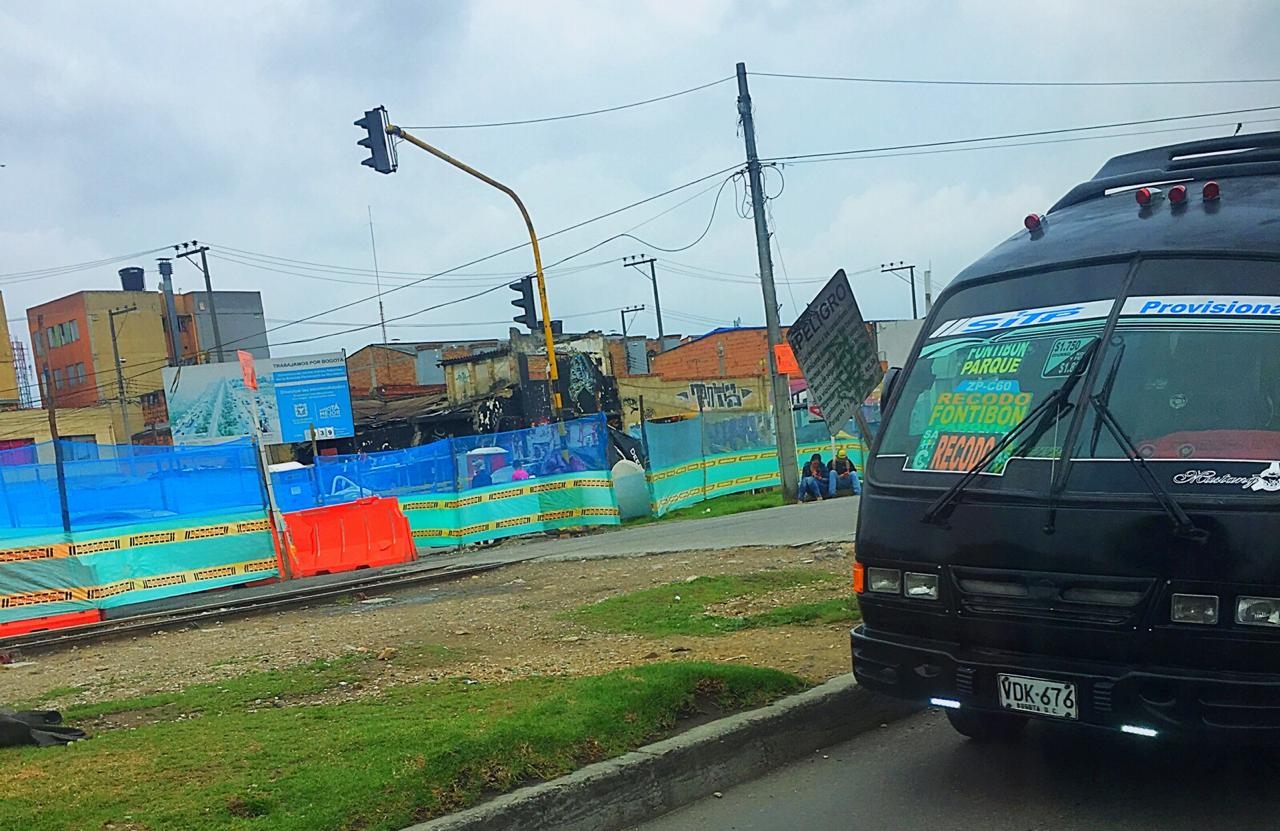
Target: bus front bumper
1146, 700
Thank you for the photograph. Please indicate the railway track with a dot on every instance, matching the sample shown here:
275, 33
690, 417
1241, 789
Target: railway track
228, 609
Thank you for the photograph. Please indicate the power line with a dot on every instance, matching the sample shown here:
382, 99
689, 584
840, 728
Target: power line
518, 247
455, 280
1069, 140
160, 363
1009, 136
58, 271
269, 262
1012, 83
355, 271
794, 159
696, 319
609, 310
567, 116
710, 221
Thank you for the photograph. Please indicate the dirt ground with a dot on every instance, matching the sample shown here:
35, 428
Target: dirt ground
496, 626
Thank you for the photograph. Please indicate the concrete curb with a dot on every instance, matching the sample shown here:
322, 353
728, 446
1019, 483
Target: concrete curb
661, 777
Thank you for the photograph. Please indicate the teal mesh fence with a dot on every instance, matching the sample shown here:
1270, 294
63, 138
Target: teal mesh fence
715, 454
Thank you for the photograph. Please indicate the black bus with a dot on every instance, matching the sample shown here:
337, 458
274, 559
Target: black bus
1072, 511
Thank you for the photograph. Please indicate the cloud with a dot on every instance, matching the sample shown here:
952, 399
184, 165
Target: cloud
945, 226
131, 127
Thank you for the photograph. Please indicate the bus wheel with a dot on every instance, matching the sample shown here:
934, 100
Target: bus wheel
986, 727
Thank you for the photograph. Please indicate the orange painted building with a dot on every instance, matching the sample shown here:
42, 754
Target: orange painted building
71, 341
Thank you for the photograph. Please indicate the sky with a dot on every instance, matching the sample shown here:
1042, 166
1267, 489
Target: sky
131, 127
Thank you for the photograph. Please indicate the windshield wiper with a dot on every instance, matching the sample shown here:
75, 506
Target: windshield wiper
1105, 395
938, 512
1182, 525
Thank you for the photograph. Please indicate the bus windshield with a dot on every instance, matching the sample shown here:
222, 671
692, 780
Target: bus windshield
993, 353
1191, 372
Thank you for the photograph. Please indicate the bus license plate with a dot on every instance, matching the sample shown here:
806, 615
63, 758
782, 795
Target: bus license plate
1038, 696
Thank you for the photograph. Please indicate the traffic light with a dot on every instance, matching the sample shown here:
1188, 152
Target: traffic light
527, 304
382, 153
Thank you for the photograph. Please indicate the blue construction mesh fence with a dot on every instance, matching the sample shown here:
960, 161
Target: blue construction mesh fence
448, 466
495, 458
111, 485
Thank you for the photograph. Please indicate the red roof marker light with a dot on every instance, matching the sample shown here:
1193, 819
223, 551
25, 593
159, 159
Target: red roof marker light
1178, 194
1146, 196
1033, 222
1211, 191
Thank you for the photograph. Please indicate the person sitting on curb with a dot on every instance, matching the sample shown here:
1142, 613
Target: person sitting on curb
813, 479
843, 475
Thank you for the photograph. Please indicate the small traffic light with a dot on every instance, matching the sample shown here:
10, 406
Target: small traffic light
527, 304
382, 153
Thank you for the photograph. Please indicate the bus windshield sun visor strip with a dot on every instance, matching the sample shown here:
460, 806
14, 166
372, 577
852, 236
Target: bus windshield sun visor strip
941, 508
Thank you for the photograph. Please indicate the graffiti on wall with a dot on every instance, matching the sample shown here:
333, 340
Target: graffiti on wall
716, 395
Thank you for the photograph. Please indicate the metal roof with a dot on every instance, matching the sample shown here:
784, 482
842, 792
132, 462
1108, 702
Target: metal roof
1088, 223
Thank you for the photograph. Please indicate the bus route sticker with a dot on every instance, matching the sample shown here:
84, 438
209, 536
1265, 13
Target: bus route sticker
966, 424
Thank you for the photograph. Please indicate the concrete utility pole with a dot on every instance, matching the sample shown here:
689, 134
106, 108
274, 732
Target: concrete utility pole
894, 268
208, 290
784, 426
638, 260
51, 406
629, 310
115, 353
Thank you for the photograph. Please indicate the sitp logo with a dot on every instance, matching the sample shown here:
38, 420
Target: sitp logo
983, 324
1091, 310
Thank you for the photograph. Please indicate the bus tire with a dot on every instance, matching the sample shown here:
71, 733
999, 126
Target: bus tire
986, 727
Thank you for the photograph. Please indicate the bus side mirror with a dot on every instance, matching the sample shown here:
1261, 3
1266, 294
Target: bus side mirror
886, 390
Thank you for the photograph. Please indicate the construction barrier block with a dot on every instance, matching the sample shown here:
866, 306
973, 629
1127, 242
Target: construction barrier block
43, 624
367, 533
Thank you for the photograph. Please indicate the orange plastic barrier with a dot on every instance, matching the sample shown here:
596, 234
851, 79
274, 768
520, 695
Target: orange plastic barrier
42, 624
368, 532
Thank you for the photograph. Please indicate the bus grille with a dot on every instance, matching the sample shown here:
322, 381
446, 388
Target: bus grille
1111, 602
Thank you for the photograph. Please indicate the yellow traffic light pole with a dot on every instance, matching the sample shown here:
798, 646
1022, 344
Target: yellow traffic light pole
554, 371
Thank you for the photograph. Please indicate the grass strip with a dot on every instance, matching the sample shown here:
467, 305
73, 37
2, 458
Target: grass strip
411, 754
681, 608
734, 503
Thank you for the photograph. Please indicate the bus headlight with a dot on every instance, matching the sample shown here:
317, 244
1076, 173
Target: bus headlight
921, 586
1258, 611
1194, 608
884, 580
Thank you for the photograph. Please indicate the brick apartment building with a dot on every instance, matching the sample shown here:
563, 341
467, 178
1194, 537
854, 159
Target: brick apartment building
721, 353
403, 368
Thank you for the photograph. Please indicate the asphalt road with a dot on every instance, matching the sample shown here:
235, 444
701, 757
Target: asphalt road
919, 774
831, 521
